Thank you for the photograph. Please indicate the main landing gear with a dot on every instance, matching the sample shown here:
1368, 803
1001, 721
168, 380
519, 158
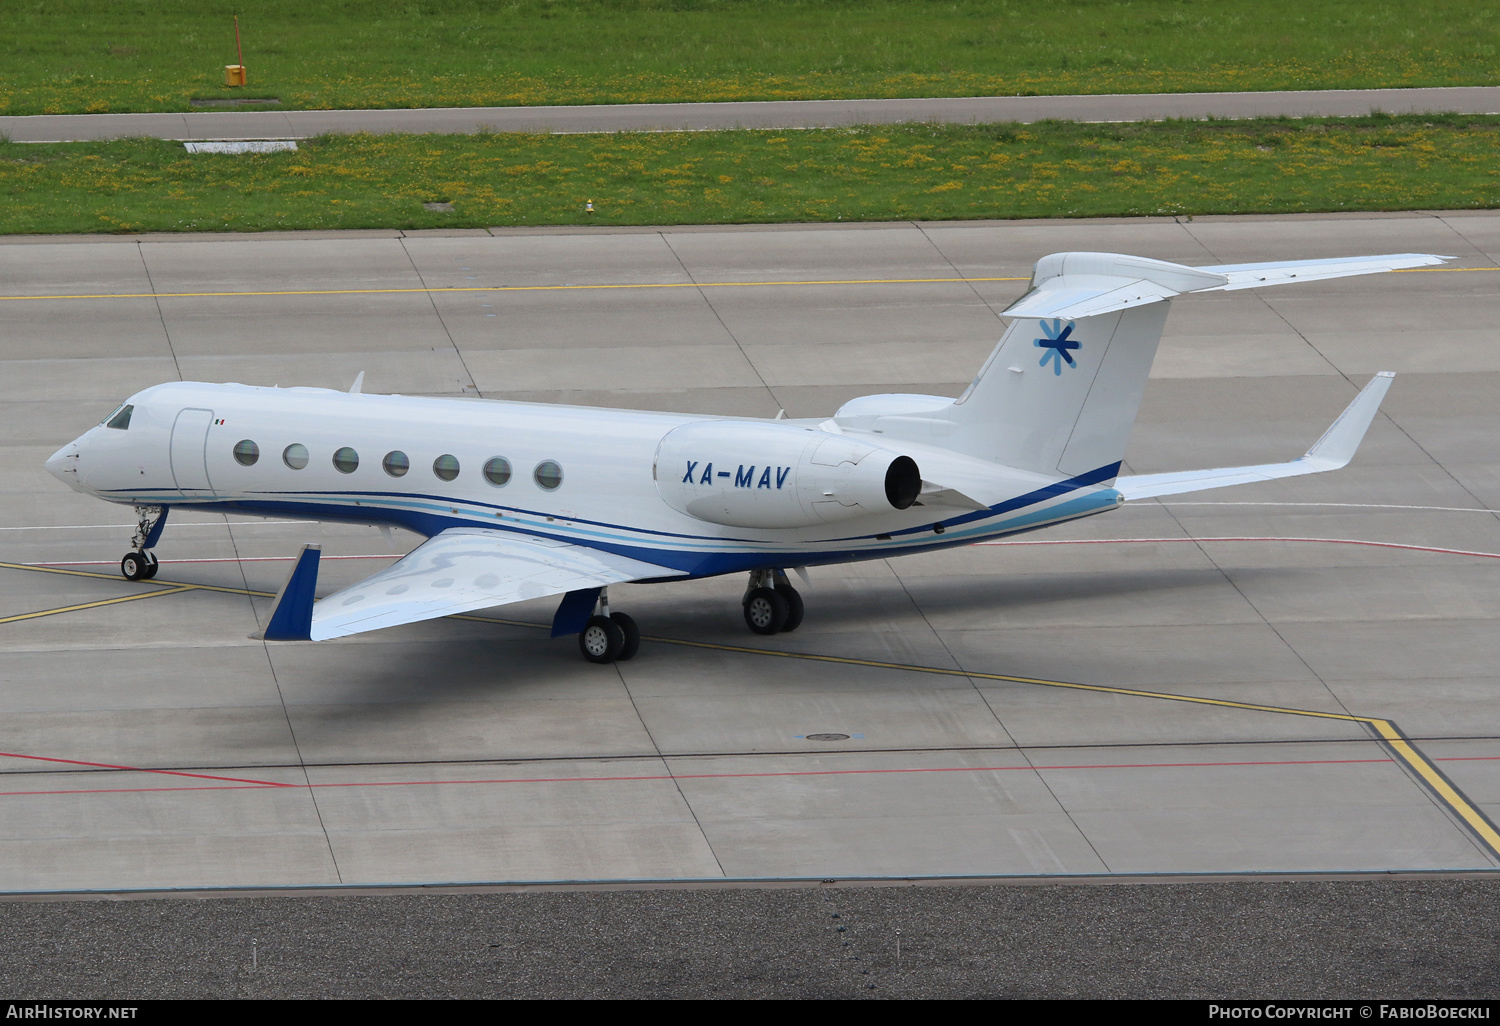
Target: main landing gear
140, 564
608, 637
772, 605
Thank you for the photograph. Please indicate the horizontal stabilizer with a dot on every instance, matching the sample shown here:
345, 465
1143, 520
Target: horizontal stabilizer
472, 568
1074, 285
1252, 276
1331, 452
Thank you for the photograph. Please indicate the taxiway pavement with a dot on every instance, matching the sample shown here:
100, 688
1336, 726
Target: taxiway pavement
1178, 687
697, 117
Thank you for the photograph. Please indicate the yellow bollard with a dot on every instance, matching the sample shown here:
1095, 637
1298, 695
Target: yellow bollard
234, 74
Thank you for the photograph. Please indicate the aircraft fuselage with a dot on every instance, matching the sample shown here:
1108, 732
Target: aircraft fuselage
597, 477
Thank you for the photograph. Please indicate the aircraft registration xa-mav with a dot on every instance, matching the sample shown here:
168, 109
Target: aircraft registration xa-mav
524, 500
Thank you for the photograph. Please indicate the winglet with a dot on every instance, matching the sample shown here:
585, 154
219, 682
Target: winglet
359, 383
1339, 443
291, 614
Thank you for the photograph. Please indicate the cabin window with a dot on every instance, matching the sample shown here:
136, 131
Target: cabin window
395, 463
295, 456
497, 471
445, 467
548, 474
246, 453
120, 418
346, 460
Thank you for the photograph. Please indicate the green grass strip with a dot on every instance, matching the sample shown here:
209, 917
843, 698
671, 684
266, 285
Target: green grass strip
70, 56
873, 173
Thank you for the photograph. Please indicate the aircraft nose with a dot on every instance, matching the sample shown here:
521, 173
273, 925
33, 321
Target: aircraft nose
63, 464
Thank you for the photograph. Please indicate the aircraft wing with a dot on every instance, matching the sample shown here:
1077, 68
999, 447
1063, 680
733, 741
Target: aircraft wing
1334, 450
468, 568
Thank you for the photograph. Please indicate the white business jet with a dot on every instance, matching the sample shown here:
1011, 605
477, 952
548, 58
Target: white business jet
524, 500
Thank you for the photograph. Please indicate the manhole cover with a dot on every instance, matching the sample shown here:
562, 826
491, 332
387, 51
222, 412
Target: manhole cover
444, 207
827, 737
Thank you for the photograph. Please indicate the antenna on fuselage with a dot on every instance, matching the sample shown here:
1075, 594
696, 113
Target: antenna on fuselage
358, 384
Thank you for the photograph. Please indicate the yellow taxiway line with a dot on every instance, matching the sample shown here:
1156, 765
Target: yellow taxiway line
438, 290
524, 288
174, 590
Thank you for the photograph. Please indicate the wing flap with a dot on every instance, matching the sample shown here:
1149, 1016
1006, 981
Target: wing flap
468, 568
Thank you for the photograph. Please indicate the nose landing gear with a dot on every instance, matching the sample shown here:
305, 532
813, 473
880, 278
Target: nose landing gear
140, 564
771, 604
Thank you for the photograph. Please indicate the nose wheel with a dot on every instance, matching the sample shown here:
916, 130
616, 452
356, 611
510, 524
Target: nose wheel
141, 564
772, 605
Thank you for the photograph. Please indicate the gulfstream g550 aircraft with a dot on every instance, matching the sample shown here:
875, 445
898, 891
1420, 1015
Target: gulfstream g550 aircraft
523, 501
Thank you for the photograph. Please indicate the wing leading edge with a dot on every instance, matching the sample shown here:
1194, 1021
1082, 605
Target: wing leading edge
468, 568
1331, 452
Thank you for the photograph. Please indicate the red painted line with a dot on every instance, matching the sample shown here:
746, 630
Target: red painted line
1321, 541
140, 769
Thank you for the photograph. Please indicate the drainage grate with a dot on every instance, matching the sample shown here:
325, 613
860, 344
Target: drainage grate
827, 737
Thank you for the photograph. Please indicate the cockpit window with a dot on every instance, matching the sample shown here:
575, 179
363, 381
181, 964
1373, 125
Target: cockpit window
120, 418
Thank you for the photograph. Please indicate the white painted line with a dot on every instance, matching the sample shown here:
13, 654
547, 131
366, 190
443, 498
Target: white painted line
1321, 541
1340, 505
245, 146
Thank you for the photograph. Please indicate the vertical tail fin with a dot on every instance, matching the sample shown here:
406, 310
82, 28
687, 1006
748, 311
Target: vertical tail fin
1060, 395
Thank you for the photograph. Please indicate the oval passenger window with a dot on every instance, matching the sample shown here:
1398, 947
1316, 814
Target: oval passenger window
345, 460
396, 463
295, 456
246, 453
497, 471
548, 474
445, 467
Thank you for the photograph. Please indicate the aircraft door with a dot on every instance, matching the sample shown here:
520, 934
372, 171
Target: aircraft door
189, 463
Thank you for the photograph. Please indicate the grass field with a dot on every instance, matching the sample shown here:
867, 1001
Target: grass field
63, 56
883, 173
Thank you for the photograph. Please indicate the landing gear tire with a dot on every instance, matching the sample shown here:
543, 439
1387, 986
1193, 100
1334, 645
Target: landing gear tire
765, 611
794, 608
602, 640
138, 566
632, 633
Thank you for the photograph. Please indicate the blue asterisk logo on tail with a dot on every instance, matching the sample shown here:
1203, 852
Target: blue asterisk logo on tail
1056, 345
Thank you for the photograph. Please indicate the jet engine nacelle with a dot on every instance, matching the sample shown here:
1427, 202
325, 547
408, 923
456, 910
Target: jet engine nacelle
747, 474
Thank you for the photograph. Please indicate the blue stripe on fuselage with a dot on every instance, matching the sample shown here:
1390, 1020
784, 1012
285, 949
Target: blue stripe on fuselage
708, 564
